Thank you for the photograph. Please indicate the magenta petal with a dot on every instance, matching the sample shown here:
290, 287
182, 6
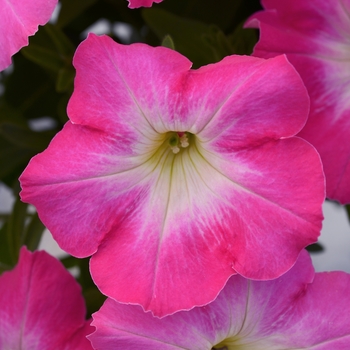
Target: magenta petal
314, 35
18, 20
276, 193
172, 225
41, 306
321, 315
293, 311
132, 103
142, 3
81, 174
221, 98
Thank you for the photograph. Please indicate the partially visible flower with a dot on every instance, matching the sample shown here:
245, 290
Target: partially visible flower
142, 3
18, 20
176, 179
300, 310
41, 306
315, 35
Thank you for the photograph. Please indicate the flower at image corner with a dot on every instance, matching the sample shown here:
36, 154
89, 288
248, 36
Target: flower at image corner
299, 310
175, 179
142, 3
18, 20
41, 306
315, 36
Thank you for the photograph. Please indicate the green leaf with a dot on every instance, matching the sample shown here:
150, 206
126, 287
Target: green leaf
93, 299
65, 79
347, 207
186, 34
15, 228
24, 137
85, 279
243, 40
223, 13
63, 45
315, 248
240, 42
218, 43
70, 261
33, 233
71, 9
62, 108
43, 57
13, 159
11, 114
31, 89
168, 42
6, 259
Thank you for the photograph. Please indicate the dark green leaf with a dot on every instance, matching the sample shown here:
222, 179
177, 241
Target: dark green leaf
168, 42
4, 267
347, 207
15, 228
63, 45
223, 13
11, 114
6, 259
218, 43
85, 277
242, 40
186, 34
65, 79
26, 138
31, 89
13, 160
62, 108
315, 248
93, 299
33, 233
70, 261
43, 57
71, 9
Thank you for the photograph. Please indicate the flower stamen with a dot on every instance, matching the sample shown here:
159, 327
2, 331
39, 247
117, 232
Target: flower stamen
184, 141
177, 141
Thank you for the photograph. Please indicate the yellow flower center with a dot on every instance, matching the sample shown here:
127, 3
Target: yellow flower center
232, 343
246, 343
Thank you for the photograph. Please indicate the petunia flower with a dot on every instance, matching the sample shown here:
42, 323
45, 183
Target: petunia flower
175, 179
300, 310
18, 20
41, 306
315, 37
142, 3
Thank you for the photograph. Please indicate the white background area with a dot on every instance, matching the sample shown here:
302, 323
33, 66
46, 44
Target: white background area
335, 236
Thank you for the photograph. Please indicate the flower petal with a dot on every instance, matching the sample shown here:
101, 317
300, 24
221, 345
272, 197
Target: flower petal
87, 174
153, 216
142, 3
242, 94
20, 19
293, 311
41, 306
314, 35
135, 96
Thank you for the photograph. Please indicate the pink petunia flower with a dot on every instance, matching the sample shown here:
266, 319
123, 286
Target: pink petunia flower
175, 179
18, 20
300, 310
41, 306
142, 3
315, 37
